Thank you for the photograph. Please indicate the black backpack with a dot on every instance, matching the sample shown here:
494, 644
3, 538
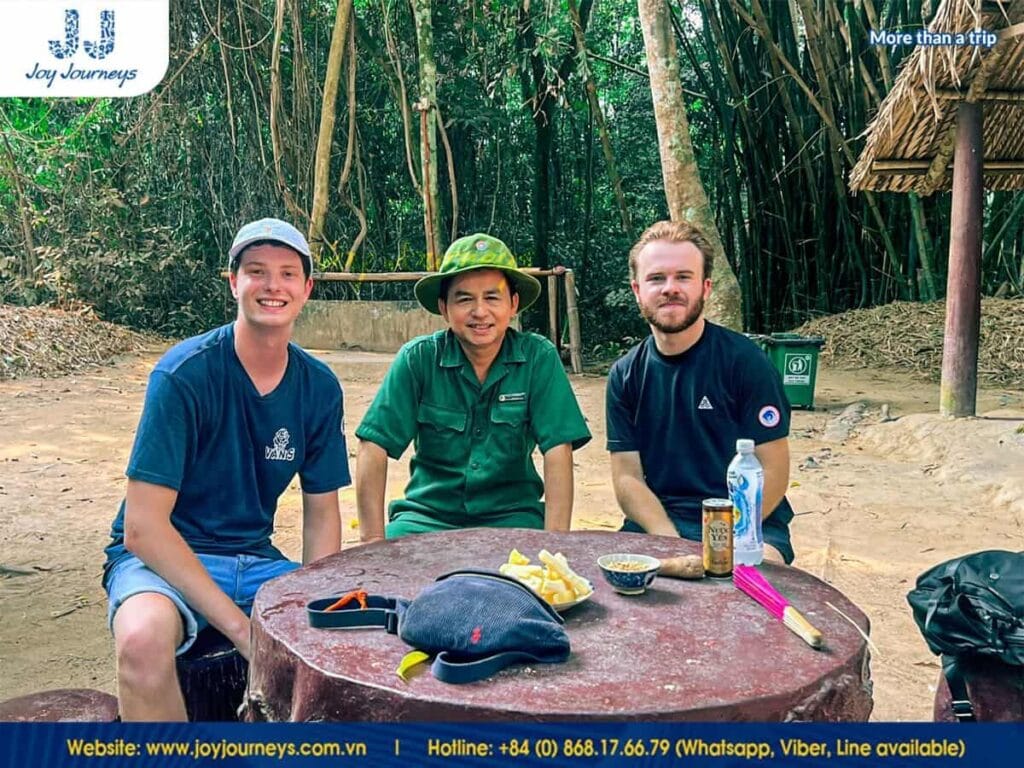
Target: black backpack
972, 607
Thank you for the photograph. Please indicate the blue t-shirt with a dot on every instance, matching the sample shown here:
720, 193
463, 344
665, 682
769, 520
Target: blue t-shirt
229, 452
684, 413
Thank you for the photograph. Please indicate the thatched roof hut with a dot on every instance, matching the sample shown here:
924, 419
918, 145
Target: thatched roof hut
911, 140
954, 119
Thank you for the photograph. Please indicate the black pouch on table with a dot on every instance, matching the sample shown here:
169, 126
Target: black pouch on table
474, 622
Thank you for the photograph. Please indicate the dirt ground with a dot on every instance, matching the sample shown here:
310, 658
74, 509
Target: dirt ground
877, 503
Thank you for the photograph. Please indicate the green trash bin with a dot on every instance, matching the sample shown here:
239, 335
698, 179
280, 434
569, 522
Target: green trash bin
795, 357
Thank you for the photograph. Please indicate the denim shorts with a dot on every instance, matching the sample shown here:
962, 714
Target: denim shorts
238, 575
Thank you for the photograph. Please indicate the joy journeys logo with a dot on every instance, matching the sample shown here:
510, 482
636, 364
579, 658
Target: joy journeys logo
82, 47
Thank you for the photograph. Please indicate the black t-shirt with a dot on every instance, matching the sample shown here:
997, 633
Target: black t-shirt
684, 413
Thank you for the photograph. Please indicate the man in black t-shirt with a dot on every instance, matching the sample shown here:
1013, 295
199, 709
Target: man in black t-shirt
677, 402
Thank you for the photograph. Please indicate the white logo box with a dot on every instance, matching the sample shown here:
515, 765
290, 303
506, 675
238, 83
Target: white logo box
82, 48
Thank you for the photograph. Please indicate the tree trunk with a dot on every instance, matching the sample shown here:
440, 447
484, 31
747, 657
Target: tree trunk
543, 149
540, 97
403, 100
683, 188
276, 141
428, 130
352, 154
28, 263
452, 181
924, 247
598, 114
325, 138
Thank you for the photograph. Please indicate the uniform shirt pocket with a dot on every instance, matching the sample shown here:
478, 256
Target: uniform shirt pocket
440, 433
509, 427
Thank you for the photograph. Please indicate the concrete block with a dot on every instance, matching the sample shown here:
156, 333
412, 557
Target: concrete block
374, 326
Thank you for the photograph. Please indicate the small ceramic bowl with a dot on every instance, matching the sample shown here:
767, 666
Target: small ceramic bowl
629, 574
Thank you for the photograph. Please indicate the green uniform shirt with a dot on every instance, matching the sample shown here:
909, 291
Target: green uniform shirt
472, 465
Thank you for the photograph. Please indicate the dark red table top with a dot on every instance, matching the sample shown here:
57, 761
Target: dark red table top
685, 650
74, 705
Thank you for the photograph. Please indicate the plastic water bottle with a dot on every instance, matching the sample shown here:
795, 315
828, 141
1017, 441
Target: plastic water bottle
745, 478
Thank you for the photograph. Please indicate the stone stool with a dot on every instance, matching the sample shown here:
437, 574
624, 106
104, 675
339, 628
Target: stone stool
996, 691
70, 705
213, 675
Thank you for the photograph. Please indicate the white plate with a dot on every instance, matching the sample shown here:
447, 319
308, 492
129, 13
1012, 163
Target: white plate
562, 607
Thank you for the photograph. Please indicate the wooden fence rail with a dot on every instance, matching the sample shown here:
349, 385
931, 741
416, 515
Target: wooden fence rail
552, 275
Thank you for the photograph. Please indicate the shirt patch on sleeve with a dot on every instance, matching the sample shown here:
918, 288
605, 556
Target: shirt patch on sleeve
768, 416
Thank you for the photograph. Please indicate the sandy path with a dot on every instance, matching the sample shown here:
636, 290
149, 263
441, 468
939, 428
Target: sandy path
873, 511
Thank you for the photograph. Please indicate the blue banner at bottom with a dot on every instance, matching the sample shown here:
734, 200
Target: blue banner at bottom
312, 745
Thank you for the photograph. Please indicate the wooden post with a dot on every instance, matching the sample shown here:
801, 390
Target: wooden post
959, 388
574, 322
430, 233
553, 309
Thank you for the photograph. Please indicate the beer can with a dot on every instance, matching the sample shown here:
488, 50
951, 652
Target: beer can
716, 534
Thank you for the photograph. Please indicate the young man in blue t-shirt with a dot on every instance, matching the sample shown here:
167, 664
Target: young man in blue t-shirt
677, 402
229, 418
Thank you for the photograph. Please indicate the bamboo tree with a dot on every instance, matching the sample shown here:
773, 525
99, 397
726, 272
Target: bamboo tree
325, 137
28, 261
729, 190
761, 267
539, 89
598, 115
257, 102
925, 248
452, 180
817, 259
772, 134
838, 144
277, 143
427, 107
400, 95
352, 153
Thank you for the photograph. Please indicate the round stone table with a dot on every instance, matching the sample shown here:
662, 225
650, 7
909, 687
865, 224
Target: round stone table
684, 650
69, 705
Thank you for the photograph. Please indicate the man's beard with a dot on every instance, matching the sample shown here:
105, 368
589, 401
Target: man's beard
693, 314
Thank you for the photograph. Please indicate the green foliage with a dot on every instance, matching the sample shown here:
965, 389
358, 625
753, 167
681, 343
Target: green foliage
131, 204
143, 282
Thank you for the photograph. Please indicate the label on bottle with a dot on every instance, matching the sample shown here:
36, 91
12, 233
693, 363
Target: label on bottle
745, 492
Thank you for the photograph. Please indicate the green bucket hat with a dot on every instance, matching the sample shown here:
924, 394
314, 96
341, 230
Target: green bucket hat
477, 251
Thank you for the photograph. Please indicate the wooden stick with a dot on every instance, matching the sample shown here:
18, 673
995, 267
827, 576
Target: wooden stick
553, 309
920, 167
433, 257
871, 645
992, 94
574, 322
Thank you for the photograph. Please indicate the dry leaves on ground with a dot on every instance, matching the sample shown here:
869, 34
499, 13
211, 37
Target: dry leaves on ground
39, 341
908, 336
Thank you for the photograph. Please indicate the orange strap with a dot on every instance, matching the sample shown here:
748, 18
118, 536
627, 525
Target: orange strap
355, 594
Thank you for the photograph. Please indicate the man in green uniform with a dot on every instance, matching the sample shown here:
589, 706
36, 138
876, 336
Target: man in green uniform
475, 398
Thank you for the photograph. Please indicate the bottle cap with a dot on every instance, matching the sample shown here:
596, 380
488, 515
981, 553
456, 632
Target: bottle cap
744, 446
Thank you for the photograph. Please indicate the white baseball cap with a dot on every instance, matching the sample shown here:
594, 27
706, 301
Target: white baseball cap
274, 230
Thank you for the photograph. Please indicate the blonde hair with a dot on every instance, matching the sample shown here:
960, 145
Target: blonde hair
673, 232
